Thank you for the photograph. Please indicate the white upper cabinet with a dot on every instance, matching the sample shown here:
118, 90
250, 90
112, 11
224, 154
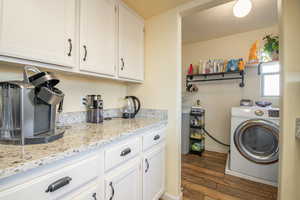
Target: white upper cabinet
102, 38
98, 36
38, 30
131, 45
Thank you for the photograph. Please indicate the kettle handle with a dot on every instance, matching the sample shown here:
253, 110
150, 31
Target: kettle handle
137, 109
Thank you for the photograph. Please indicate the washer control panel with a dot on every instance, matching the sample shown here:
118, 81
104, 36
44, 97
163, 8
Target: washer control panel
273, 113
259, 113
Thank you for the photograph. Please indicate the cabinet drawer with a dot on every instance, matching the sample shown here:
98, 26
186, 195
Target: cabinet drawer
153, 138
121, 152
56, 184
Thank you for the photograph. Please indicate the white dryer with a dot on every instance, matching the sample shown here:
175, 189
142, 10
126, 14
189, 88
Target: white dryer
254, 149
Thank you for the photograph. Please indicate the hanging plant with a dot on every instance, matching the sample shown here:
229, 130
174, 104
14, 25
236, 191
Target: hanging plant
271, 46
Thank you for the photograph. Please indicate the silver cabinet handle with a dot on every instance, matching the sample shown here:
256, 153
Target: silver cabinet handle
85, 52
94, 196
123, 64
125, 152
157, 137
112, 191
59, 184
70, 47
147, 165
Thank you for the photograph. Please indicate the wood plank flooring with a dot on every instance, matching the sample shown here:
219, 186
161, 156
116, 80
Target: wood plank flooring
203, 178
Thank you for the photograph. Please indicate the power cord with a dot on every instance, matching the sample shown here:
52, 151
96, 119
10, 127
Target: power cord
216, 140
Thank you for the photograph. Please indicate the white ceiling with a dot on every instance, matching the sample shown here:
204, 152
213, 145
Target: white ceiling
220, 21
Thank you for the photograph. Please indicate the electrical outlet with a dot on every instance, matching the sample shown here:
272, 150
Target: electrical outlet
82, 101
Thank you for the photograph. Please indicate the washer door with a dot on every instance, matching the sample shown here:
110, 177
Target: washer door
257, 140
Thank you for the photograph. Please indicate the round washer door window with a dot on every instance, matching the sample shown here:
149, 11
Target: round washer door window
257, 140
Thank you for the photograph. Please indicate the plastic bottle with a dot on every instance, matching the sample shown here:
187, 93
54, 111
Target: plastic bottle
190, 72
200, 67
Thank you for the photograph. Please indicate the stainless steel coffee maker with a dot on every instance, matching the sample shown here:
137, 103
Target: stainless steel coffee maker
94, 105
28, 108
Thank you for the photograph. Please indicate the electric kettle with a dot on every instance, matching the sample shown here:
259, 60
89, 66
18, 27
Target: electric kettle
132, 107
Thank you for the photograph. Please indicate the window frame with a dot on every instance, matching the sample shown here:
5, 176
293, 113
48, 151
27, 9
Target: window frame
262, 78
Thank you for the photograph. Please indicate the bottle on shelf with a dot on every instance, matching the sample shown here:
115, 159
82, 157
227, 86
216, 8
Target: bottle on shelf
200, 67
191, 70
241, 65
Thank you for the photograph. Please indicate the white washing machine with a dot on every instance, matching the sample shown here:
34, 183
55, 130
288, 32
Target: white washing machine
254, 149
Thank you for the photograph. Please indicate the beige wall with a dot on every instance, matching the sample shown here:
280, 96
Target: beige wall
75, 87
290, 146
161, 89
218, 97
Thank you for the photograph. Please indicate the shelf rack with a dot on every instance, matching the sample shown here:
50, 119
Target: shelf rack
199, 130
196, 78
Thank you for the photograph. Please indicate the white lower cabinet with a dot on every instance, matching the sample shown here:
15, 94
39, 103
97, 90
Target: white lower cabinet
124, 182
120, 171
154, 173
57, 184
89, 193
143, 176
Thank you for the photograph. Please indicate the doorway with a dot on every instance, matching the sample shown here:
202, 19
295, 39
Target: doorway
212, 36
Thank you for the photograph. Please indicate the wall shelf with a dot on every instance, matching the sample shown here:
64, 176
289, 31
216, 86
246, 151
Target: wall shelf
220, 76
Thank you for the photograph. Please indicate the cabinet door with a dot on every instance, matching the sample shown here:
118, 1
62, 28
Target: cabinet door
98, 36
154, 173
131, 45
124, 183
39, 30
87, 193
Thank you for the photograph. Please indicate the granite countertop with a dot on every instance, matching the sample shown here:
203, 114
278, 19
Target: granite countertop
78, 138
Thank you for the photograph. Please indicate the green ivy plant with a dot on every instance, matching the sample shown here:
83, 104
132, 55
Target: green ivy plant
271, 44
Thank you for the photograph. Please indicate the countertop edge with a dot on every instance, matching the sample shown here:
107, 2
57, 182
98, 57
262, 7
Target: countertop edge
34, 164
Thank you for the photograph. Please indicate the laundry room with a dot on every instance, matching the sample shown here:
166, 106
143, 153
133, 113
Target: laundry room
230, 98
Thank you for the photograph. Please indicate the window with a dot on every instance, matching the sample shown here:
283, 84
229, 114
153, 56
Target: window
270, 79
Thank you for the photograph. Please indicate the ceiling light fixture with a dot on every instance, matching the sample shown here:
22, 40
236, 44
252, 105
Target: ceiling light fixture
242, 8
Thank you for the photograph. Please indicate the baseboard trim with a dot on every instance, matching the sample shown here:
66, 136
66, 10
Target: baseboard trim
167, 196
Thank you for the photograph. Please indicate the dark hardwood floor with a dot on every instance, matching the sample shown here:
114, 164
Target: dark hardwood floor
203, 178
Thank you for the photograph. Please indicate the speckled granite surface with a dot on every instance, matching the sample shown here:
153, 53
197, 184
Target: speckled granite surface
80, 117
79, 137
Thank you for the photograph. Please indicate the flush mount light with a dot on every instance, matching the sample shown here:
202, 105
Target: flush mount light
242, 8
